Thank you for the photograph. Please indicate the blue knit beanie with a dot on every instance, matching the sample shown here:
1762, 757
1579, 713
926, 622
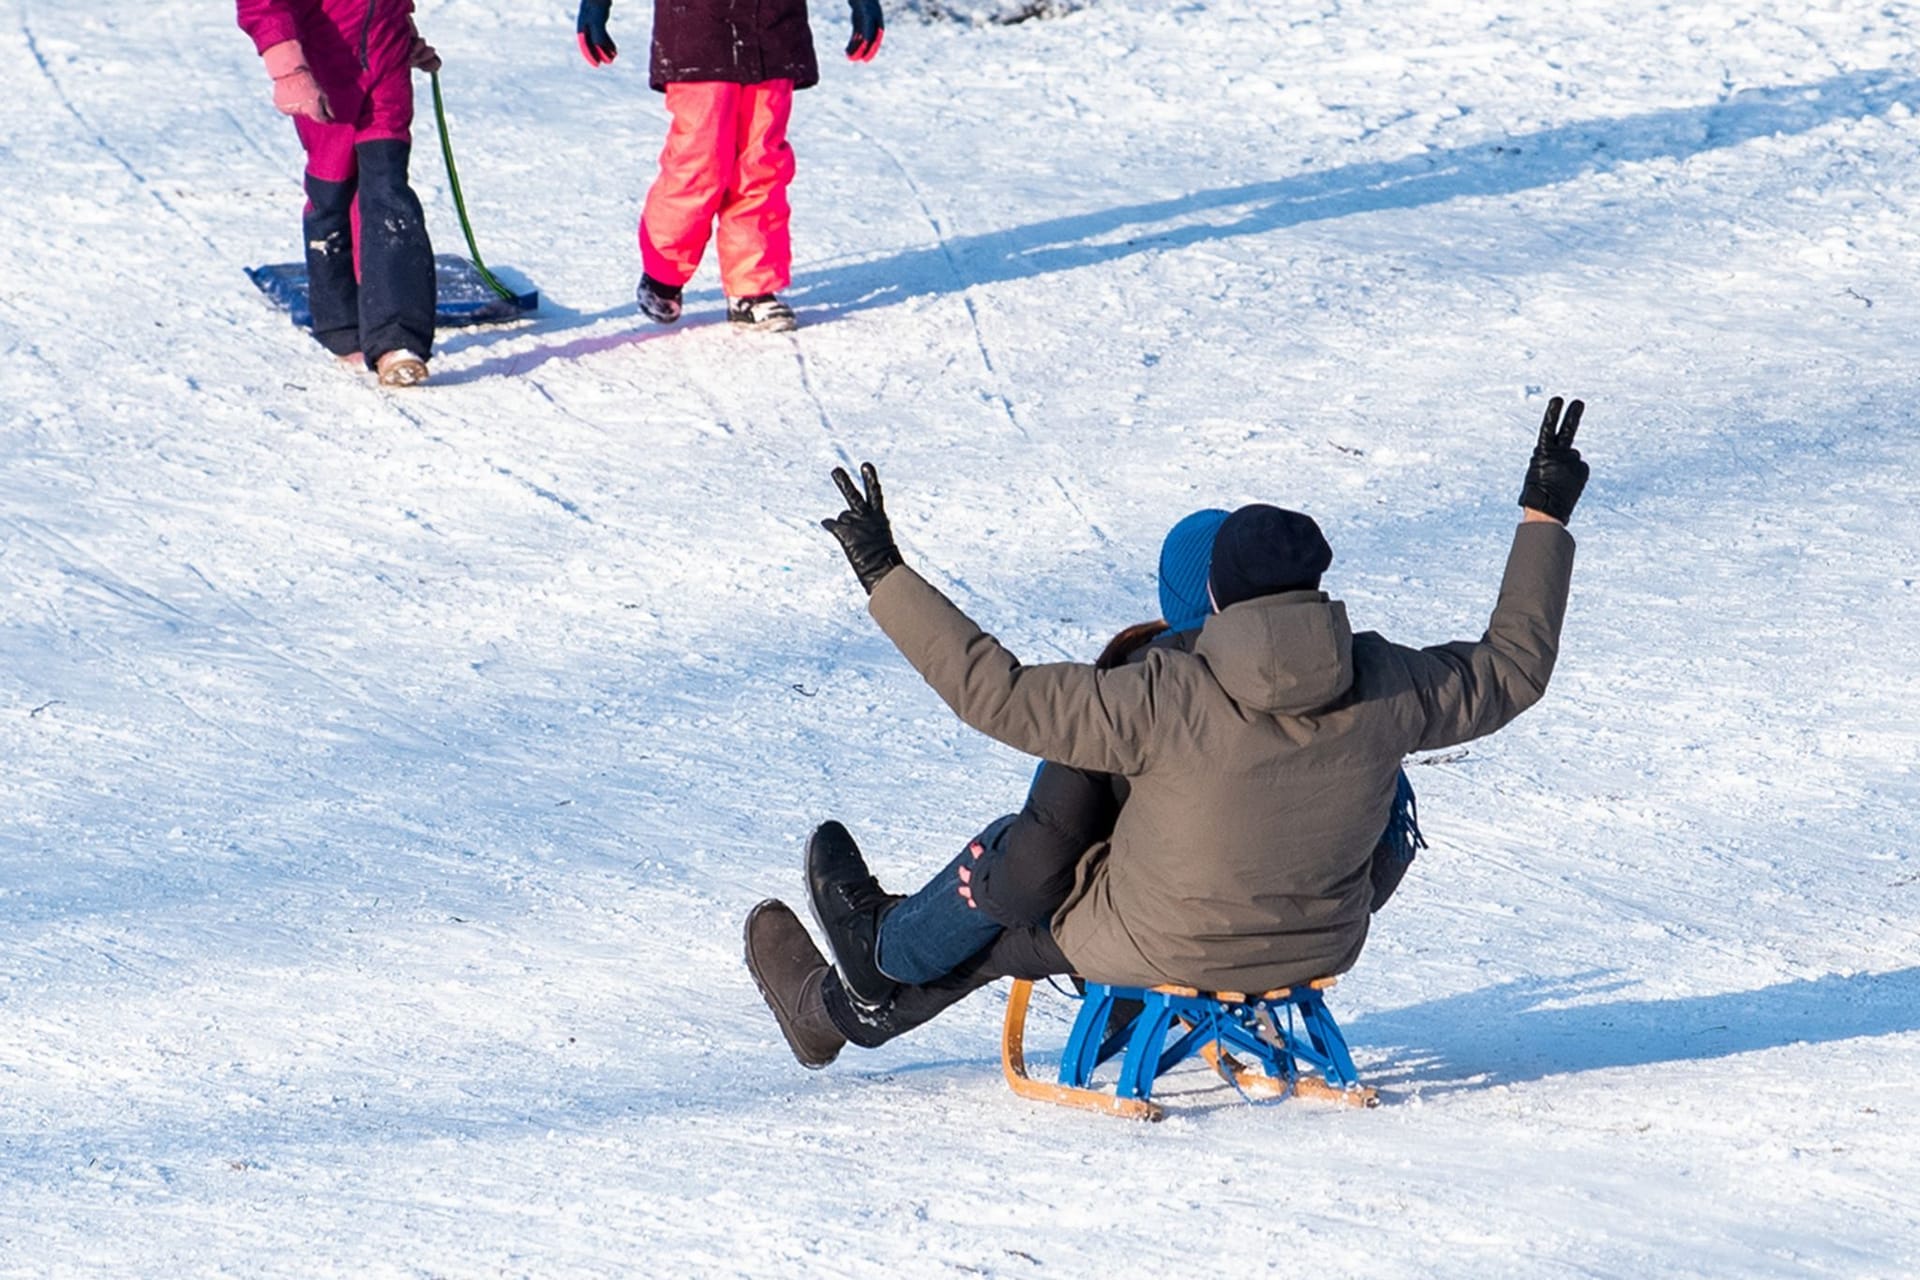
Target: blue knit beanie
1184, 558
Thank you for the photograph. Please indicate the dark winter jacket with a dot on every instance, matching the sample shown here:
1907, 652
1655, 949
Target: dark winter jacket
741, 41
1263, 764
350, 45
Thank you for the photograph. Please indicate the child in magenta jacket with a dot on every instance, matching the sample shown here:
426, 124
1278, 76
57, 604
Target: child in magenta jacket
729, 69
343, 70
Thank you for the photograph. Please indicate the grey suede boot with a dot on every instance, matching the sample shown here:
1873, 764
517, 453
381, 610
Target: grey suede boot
790, 971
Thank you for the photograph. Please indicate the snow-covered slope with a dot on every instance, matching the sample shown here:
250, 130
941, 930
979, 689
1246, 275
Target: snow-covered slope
384, 778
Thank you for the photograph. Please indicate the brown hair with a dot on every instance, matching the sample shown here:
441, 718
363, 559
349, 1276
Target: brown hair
1124, 645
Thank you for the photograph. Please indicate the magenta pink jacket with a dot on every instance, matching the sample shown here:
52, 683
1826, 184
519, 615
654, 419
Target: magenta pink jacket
350, 44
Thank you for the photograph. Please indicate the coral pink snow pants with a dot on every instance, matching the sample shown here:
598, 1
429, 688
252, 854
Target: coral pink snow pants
726, 155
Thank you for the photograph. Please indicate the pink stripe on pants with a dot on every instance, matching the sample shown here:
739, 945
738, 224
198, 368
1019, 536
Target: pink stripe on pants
726, 156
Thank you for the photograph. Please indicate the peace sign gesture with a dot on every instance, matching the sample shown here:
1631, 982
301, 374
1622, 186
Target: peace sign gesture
1557, 474
864, 532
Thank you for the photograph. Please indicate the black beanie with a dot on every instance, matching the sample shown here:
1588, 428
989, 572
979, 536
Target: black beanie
1262, 550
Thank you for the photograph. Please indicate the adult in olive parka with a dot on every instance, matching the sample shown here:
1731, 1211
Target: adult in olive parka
1262, 764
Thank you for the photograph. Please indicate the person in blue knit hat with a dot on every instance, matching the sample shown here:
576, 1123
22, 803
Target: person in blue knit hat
1185, 556
1021, 867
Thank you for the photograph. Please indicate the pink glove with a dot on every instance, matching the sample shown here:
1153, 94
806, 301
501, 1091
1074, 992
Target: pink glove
295, 91
422, 57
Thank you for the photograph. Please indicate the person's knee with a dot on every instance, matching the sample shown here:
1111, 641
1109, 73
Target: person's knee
383, 174
1023, 874
1015, 895
329, 201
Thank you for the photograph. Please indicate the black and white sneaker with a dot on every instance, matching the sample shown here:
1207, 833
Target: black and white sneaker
658, 302
763, 312
849, 904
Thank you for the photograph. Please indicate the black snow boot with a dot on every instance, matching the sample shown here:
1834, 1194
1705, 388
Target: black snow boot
764, 312
791, 972
658, 302
848, 903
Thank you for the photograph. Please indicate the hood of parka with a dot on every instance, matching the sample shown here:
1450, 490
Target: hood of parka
1287, 654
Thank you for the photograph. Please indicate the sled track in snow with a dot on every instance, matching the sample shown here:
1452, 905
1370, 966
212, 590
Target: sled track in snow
813, 394
487, 460
1000, 395
98, 138
75, 562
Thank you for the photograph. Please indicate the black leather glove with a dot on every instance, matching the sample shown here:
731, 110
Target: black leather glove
1556, 475
596, 46
862, 528
868, 29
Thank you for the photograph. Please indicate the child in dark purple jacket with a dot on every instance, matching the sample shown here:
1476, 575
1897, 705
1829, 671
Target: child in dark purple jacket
729, 69
343, 70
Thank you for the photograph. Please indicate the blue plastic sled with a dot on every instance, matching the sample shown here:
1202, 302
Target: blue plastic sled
463, 296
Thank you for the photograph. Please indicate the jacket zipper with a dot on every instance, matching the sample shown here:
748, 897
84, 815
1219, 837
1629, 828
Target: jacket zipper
366, 29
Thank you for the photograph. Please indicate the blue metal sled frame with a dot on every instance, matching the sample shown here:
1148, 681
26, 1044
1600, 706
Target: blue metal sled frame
1307, 1060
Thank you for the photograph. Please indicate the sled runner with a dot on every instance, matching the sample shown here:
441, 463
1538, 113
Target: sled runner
1308, 1061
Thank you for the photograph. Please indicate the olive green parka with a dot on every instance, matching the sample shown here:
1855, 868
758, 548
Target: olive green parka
1262, 763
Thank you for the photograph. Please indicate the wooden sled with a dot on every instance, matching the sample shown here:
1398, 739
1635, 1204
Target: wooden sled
1221, 1027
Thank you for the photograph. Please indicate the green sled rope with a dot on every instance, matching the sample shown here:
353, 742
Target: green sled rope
459, 201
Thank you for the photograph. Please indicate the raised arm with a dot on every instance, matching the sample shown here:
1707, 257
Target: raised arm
1070, 712
1469, 689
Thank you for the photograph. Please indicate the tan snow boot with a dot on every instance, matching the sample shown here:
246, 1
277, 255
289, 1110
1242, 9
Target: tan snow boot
401, 369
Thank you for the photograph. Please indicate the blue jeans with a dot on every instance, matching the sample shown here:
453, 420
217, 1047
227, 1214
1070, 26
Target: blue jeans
934, 932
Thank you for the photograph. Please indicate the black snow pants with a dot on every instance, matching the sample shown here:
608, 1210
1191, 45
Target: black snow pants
1025, 952
388, 305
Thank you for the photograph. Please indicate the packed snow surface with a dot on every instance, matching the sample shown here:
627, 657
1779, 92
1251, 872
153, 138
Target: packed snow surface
384, 778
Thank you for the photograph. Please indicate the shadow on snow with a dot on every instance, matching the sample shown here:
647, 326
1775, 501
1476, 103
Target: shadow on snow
1494, 167
1529, 1030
